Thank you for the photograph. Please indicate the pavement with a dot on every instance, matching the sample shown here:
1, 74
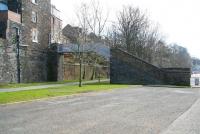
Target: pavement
141, 110
3, 90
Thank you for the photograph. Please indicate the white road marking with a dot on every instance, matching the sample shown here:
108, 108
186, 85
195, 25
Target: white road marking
183, 92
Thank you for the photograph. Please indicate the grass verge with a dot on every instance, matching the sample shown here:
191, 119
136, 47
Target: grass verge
11, 97
15, 85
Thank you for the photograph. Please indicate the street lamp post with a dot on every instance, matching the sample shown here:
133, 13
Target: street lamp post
80, 62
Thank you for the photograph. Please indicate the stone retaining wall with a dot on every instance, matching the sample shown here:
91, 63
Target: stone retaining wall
128, 69
7, 62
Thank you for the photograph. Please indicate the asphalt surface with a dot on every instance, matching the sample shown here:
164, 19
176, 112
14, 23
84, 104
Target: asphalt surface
142, 110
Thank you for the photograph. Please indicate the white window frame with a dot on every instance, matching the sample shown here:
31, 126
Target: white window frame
35, 35
34, 17
34, 2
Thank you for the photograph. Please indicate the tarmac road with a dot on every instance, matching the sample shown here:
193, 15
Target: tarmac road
142, 110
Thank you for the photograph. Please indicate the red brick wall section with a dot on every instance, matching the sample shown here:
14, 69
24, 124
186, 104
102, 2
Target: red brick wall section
11, 16
14, 17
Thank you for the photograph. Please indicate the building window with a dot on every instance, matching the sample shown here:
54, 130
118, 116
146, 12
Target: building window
35, 1
53, 20
35, 35
197, 82
34, 17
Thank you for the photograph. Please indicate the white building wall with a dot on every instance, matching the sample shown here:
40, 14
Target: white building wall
193, 79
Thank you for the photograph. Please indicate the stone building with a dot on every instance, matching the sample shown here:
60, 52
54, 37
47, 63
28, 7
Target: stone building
56, 26
71, 33
31, 19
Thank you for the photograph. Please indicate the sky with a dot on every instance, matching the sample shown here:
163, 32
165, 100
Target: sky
179, 20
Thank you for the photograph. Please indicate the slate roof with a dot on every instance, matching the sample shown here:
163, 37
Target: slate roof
99, 48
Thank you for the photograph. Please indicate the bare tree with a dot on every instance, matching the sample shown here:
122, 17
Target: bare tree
136, 34
152, 37
96, 18
82, 17
114, 36
179, 56
132, 26
92, 23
